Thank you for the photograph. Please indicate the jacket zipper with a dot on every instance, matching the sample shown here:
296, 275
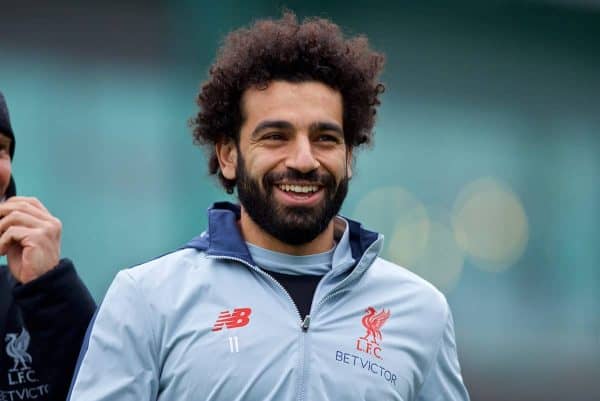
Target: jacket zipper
304, 323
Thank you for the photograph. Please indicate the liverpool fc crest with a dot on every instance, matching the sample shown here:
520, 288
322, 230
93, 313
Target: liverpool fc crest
16, 348
372, 321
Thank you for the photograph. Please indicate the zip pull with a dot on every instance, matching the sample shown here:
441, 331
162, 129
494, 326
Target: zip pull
305, 323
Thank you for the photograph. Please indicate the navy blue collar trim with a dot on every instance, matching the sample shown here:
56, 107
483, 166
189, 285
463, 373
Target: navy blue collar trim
360, 238
225, 239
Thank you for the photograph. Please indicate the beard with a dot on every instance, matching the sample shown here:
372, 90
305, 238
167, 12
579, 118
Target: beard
293, 225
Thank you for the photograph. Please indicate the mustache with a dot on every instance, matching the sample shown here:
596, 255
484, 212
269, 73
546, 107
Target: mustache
312, 177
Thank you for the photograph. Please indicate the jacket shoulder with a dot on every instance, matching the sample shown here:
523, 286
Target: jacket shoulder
167, 267
414, 289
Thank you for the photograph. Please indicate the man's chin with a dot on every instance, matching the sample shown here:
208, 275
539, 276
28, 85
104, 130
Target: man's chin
297, 214
303, 224
297, 235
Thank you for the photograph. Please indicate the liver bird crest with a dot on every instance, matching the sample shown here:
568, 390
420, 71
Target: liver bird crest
373, 322
16, 348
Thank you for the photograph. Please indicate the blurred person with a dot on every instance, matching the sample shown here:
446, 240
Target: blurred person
280, 298
44, 307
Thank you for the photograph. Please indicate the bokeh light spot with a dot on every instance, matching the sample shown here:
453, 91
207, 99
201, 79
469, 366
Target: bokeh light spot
413, 240
395, 212
490, 224
441, 260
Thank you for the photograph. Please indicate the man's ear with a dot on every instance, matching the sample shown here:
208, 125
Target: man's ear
226, 151
349, 162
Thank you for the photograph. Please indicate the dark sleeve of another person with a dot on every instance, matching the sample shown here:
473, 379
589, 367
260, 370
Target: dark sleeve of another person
56, 309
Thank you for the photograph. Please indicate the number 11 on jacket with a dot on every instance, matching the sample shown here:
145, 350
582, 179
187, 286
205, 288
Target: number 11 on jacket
234, 345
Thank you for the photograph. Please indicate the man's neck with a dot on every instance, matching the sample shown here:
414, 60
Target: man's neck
255, 235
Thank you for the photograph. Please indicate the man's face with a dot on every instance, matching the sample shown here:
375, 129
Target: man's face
291, 162
5, 165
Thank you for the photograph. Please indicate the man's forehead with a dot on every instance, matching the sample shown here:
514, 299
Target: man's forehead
285, 96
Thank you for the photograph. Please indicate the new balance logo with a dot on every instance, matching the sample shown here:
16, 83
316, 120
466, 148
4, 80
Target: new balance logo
238, 318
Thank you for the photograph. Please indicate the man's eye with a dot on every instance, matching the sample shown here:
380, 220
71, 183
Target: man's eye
328, 138
274, 136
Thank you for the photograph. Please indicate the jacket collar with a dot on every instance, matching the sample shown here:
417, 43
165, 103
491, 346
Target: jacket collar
223, 237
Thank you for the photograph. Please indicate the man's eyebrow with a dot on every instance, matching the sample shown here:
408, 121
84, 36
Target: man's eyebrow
278, 124
326, 126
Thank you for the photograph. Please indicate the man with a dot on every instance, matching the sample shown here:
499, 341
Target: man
44, 307
279, 299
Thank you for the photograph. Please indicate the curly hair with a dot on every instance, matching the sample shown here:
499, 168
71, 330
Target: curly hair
314, 50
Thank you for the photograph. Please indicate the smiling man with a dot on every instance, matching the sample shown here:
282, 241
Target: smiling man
291, 164
280, 298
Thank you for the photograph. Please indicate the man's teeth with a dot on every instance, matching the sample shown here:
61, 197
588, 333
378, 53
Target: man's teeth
298, 188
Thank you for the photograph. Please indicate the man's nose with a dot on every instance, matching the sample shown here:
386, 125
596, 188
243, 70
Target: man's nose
301, 157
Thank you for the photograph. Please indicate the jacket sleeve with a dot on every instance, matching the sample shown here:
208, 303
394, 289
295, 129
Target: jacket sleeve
444, 381
118, 357
56, 309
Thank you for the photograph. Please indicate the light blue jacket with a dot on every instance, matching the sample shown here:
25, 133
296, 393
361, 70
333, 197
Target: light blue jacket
205, 323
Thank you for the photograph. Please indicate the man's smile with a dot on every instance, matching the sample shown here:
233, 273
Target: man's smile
298, 188
299, 194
